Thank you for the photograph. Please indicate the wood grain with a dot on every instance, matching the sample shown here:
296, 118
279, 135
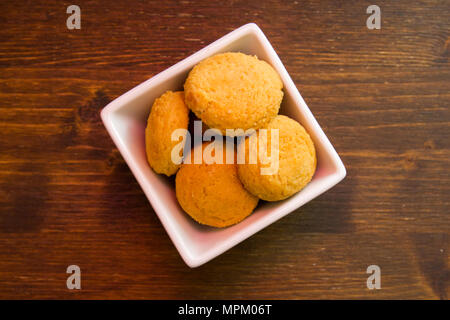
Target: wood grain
67, 197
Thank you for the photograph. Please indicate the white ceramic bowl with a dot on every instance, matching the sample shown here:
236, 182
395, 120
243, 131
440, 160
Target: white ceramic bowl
125, 119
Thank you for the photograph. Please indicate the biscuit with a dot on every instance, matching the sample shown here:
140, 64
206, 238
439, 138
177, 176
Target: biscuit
212, 193
297, 162
168, 113
234, 91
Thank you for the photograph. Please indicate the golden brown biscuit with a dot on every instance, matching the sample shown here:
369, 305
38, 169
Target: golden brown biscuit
234, 91
168, 113
297, 162
212, 193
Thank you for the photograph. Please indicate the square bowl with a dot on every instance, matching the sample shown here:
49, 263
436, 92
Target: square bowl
125, 119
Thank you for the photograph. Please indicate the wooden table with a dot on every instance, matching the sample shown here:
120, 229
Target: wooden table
67, 196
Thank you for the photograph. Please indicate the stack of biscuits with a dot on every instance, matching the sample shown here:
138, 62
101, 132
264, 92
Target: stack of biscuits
227, 92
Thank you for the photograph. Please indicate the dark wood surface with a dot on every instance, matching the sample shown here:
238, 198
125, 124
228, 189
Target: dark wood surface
67, 196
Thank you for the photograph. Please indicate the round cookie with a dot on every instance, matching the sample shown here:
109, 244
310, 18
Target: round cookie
234, 91
296, 165
212, 193
168, 113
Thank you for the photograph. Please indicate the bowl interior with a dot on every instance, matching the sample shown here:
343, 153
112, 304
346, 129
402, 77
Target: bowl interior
126, 119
